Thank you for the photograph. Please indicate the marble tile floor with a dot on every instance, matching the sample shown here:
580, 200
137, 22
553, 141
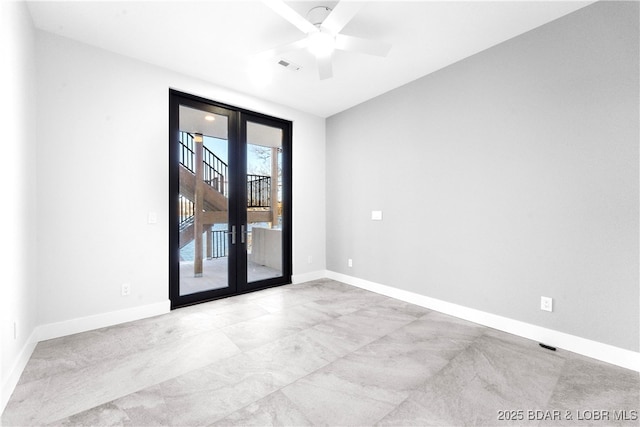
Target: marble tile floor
317, 353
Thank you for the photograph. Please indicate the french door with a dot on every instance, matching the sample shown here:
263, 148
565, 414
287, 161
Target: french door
230, 200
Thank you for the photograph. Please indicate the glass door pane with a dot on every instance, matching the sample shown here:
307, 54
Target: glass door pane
264, 232
203, 200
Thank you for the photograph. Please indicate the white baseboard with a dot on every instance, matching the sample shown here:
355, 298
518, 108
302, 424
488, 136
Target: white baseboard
74, 326
102, 320
9, 384
596, 350
308, 277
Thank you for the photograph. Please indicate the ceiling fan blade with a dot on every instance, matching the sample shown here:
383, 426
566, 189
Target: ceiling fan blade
325, 68
282, 9
341, 15
357, 44
279, 50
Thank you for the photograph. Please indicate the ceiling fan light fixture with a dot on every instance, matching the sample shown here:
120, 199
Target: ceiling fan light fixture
321, 43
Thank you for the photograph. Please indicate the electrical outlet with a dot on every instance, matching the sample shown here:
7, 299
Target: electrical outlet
350, 262
546, 303
126, 289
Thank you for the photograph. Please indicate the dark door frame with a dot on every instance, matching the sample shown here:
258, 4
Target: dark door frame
238, 118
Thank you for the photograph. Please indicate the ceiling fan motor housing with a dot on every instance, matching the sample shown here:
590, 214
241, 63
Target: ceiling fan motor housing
318, 14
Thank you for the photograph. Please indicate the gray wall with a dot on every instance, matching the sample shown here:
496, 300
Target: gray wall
507, 176
19, 203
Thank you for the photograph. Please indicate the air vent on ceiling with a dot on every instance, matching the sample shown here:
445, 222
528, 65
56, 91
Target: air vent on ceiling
289, 65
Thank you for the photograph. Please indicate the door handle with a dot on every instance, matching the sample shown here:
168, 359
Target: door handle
233, 234
243, 233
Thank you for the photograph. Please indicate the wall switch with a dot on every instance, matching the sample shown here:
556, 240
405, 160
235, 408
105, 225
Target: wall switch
350, 262
126, 289
15, 330
376, 215
309, 259
152, 218
546, 303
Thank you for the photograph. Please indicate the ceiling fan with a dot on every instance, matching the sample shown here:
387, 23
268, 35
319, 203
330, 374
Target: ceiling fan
322, 27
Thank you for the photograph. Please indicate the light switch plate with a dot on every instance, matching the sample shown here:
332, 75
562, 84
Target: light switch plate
152, 218
376, 215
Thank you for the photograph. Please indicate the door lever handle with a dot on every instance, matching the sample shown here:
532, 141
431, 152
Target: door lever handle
233, 234
243, 233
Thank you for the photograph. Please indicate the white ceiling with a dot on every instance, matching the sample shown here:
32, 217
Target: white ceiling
218, 41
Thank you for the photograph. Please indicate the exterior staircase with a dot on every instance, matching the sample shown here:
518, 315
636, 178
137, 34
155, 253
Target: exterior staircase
214, 192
